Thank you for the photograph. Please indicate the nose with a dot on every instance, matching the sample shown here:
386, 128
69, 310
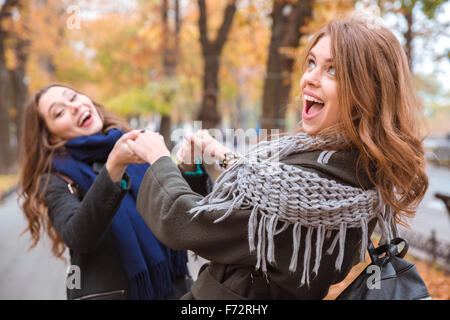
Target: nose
312, 77
74, 108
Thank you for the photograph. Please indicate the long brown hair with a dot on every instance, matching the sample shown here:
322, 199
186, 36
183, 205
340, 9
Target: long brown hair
381, 114
37, 152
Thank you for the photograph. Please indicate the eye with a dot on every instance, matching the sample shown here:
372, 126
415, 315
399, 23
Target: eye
331, 71
311, 63
74, 96
59, 113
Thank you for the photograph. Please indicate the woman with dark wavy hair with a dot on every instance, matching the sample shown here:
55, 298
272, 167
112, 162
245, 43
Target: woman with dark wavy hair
79, 183
295, 214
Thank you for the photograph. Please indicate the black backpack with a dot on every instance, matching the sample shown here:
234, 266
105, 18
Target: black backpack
388, 277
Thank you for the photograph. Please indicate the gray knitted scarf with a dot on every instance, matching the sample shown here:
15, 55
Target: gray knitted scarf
279, 195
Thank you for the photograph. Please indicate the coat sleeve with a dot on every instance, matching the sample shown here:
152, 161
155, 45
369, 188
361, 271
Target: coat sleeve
82, 224
164, 200
201, 184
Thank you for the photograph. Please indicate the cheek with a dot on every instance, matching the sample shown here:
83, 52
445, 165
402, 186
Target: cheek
333, 112
98, 119
332, 96
65, 125
60, 129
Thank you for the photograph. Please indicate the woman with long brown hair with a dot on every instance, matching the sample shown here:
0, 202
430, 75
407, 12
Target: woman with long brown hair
291, 217
79, 183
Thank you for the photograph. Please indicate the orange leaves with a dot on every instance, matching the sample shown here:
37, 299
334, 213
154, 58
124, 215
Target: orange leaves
436, 279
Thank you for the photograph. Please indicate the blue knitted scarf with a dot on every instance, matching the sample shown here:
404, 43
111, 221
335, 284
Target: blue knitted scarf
150, 266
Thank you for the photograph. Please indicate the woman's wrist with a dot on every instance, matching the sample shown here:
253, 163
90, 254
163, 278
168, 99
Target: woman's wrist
187, 167
114, 169
153, 159
220, 152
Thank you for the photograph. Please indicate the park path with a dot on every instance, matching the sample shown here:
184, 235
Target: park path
432, 213
34, 274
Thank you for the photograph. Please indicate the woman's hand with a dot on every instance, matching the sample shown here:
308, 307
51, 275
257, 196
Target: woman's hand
149, 146
186, 156
121, 156
209, 147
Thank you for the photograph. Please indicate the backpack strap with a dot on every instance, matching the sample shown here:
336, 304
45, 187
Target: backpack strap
71, 185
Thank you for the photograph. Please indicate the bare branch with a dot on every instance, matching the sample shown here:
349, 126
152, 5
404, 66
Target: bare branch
202, 23
297, 19
226, 24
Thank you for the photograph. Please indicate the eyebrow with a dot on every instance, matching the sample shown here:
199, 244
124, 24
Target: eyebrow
312, 54
56, 103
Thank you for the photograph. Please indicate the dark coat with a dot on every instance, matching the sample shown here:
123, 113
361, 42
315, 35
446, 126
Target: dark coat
165, 198
83, 222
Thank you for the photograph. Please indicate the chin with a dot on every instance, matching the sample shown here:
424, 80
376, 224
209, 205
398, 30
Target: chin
98, 129
94, 129
310, 129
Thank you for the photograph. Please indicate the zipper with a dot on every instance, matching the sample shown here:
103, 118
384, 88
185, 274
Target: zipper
102, 295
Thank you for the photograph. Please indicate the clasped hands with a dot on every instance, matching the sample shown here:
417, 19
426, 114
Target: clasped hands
147, 146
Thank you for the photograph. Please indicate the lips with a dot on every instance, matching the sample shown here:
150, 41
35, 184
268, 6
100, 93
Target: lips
313, 105
309, 93
83, 118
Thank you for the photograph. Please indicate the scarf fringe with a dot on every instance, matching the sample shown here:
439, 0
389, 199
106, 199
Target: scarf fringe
306, 258
262, 229
320, 238
148, 285
178, 263
139, 288
296, 236
162, 289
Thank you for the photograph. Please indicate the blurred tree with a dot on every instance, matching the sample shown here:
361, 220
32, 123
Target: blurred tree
48, 37
243, 61
5, 144
436, 101
135, 101
20, 43
414, 28
288, 18
170, 42
211, 51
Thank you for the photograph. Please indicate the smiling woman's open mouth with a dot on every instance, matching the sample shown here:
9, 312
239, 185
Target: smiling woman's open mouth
312, 107
85, 119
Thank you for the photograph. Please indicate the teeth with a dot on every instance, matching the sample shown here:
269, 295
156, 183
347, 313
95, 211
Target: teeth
312, 99
83, 117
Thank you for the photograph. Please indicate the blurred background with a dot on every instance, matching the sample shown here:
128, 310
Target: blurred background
231, 64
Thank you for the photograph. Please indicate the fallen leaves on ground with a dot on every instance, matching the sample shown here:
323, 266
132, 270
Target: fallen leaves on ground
7, 182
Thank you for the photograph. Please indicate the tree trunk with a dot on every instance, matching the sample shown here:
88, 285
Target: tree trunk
209, 115
5, 146
287, 20
170, 58
165, 123
211, 51
409, 37
20, 88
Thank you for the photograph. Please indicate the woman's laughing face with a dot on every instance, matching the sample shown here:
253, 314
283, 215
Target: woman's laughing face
319, 89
